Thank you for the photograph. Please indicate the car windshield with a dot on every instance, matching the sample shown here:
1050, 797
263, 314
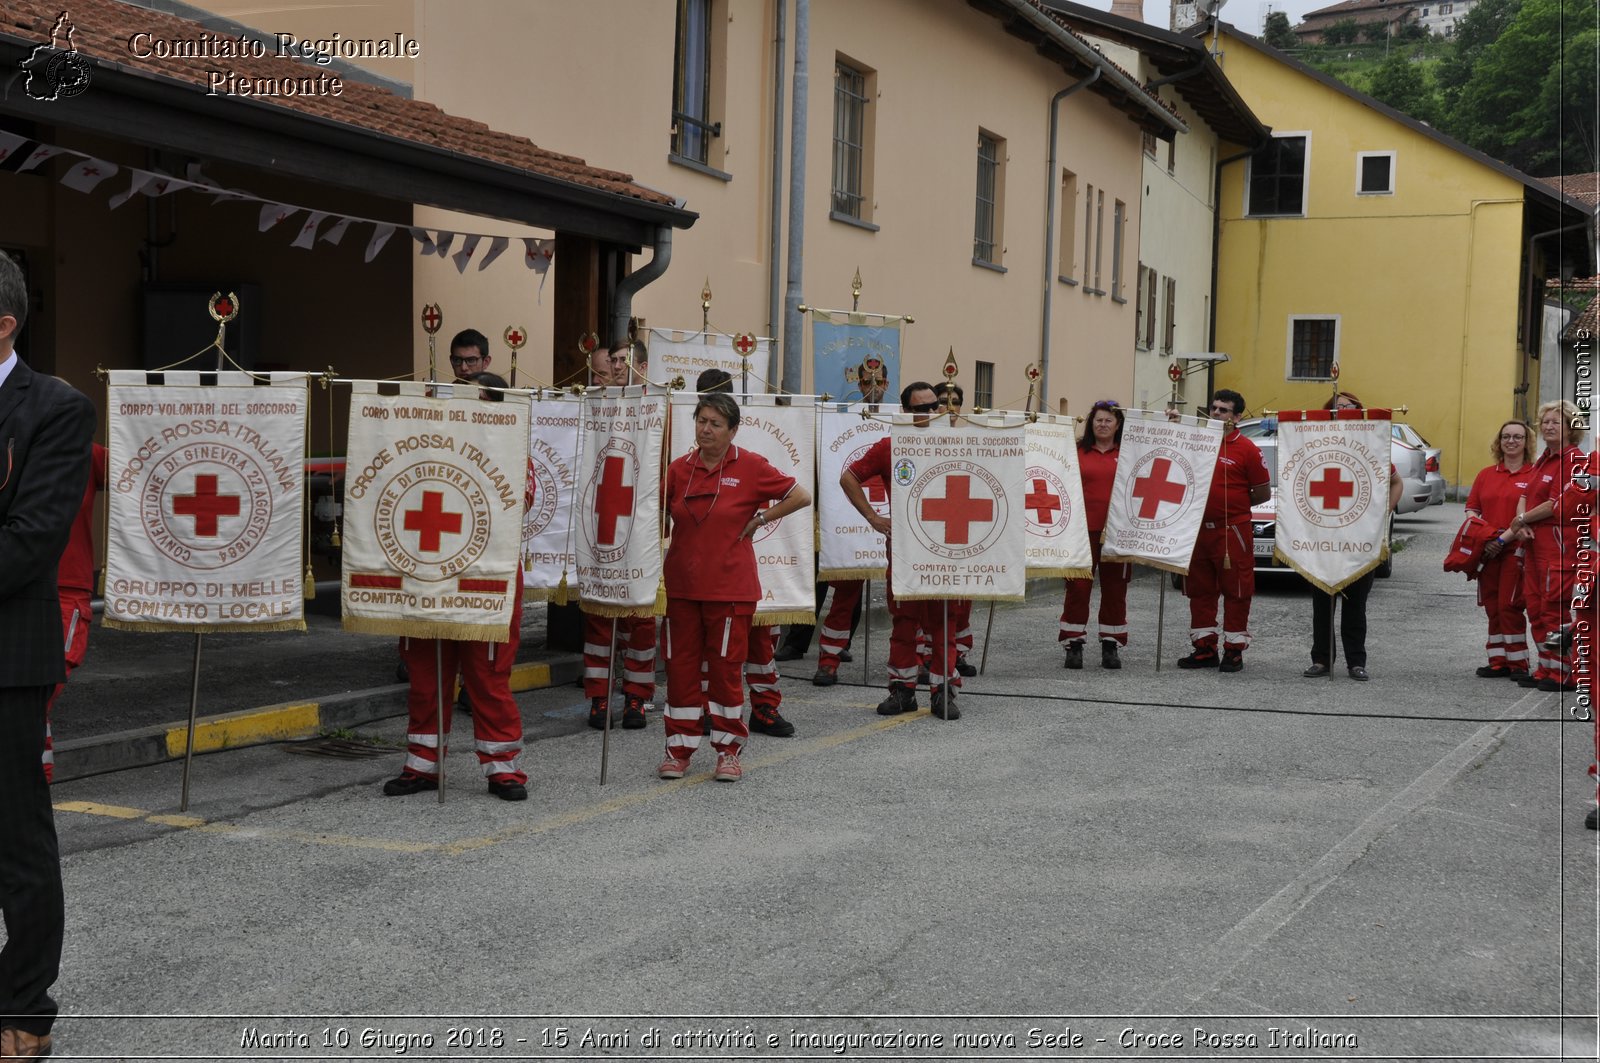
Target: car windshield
1265, 428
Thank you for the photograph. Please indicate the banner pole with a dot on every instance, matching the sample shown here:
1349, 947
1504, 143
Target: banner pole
1333, 631
866, 621
438, 697
605, 735
1161, 613
945, 662
988, 631
188, 745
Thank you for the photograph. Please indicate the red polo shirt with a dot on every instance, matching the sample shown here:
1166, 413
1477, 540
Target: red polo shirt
1496, 491
1098, 469
75, 572
707, 561
1239, 468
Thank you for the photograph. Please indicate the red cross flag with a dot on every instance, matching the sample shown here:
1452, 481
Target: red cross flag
548, 553
1164, 470
1332, 494
617, 515
1052, 502
847, 547
956, 501
205, 488
435, 486
688, 354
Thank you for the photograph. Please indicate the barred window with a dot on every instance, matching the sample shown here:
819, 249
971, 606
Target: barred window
1313, 347
849, 139
986, 226
692, 128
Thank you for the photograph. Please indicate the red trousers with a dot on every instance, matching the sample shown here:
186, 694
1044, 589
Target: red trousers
1500, 594
706, 641
636, 635
485, 669
1114, 579
761, 667
834, 634
927, 617
1547, 591
1224, 564
75, 617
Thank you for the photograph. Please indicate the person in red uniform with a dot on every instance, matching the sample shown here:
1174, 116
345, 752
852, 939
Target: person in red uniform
1494, 496
637, 634
1097, 465
715, 498
1547, 582
1579, 501
485, 670
908, 617
951, 399
75, 580
1224, 555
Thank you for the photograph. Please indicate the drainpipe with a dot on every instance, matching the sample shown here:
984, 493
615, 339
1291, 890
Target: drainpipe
1216, 256
622, 308
792, 327
775, 215
1049, 232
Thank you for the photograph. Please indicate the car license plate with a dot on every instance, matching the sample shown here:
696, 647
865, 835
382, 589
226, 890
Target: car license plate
1264, 549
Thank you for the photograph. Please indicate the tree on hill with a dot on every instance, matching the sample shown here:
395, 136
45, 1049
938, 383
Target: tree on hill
1278, 34
1342, 32
1476, 31
1400, 84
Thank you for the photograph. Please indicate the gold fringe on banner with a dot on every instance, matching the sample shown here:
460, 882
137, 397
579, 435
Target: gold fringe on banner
842, 575
435, 629
202, 629
536, 594
963, 598
561, 595
1326, 588
619, 611
1162, 565
661, 598
790, 616
1064, 573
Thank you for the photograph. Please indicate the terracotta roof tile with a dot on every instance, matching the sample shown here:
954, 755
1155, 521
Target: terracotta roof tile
1584, 187
102, 28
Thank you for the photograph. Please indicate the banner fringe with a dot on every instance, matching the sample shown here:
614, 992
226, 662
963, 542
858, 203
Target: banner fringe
1064, 573
959, 597
1326, 588
844, 575
201, 629
561, 595
435, 629
619, 611
785, 616
537, 594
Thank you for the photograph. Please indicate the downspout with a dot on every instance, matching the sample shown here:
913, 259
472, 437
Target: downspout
628, 287
1049, 232
792, 326
775, 216
1216, 256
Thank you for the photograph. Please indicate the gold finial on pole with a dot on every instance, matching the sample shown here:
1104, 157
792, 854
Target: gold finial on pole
705, 306
855, 290
950, 367
432, 321
516, 338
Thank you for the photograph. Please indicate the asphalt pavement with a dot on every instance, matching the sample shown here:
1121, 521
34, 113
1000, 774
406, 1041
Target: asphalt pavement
1136, 864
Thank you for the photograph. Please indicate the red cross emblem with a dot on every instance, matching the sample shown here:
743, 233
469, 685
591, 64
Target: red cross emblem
223, 307
1044, 502
515, 337
612, 501
588, 342
958, 510
1174, 372
1153, 489
430, 521
431, 318
205, 505
1332, 489
91, 171
744, 343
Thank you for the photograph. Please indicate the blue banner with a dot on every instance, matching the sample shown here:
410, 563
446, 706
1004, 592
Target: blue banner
842, 351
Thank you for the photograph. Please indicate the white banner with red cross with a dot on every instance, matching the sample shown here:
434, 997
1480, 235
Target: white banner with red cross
206, 496
786, 436
435, 484
618, 514
956, 507
549, 555
688, 354
1052, 501
1332, 501
1158, 499
847, 547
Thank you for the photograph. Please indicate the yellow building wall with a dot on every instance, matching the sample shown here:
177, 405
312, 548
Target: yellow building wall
1425, 282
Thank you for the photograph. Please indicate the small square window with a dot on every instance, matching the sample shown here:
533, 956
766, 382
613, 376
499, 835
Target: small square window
1313, 347
1375, 173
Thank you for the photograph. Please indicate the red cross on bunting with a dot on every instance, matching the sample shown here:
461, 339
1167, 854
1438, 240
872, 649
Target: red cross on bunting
613, 500
958, 510
429, 521
1155, 488
205, 505
1045, 502
1332, 489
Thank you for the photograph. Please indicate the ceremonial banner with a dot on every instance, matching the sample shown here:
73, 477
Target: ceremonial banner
785, 436
1332, 496
618, 514
847, 547
1159, 496
549, 556
435, 484
1052, 501
841, 341
956, 501
690, 354
206, 498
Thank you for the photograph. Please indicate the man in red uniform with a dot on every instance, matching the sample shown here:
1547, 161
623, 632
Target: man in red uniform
636, 634
485, 670
919, 399
75, 580
951, 399
1224, 554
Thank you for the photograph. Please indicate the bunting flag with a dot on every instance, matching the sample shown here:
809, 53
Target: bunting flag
425, 238
1052, 502
308, 231
847, 547
688, 354
618, 514
435, 484
956, 508
136, 184
206, 499
442, 245
335, 231
841, 341
549, 559
273, 213
463, 256
380, 236
537, 253
1158, 498
87, 174
39, 154
1332, 499
497, 247
786, 437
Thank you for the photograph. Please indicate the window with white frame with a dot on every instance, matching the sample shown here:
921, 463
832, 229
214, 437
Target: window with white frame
986, 230
1277, 181
852, 141
1099, 236
692, 125
1119, 215
1374, 173
1313, 346
1138, 308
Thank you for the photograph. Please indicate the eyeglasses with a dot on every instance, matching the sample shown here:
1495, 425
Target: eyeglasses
1519, 437
926, 407
456, 359
1347, 406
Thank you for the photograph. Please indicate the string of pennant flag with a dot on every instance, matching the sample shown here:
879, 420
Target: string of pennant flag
19, 154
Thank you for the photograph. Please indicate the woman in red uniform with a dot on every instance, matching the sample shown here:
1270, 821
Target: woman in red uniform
717, 496
1494, 497
1097, 463
1547, 582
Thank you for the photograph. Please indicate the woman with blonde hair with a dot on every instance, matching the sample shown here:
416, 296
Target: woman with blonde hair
1495, 495
1547, 583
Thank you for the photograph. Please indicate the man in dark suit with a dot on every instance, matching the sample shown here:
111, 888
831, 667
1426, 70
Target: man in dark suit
46, 429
